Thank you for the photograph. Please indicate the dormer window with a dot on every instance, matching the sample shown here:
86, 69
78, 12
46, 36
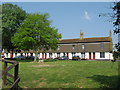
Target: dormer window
73, 46
83, 46
58, 47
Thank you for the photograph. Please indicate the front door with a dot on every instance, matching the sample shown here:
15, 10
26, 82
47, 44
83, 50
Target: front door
45, 55
93, 55
67, 54
89, 55
42, 55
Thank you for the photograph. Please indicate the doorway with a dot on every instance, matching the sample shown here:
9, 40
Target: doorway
93, 55
89, 55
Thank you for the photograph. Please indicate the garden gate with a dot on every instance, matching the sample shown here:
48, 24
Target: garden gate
5, 73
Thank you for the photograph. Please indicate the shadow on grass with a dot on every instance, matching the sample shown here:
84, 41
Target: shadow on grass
107, 81
9, 84
24, 60
18, 60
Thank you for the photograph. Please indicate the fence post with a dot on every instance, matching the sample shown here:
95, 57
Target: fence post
5, 74
16, 75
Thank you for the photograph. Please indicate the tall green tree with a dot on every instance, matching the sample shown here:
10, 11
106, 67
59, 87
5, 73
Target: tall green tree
12, 17
0, 28
116, 9
36, 33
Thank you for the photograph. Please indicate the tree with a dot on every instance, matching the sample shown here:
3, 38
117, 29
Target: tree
0, 29
36, 33
115, 17
116, 23
12, 17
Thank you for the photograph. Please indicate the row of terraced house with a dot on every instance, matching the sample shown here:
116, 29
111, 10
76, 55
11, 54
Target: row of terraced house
87, 48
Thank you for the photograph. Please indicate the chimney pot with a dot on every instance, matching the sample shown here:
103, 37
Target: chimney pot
81, 35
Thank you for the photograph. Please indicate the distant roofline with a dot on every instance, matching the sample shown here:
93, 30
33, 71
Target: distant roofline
86, 40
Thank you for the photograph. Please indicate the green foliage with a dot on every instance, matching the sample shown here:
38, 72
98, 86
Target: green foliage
117, 46
115, 55
115, 16
0, 27
12, 17
50, 60
116, 22
116, 8
19, 60
36, 33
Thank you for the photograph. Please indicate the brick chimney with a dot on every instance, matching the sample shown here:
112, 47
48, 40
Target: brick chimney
110, 33
81, 35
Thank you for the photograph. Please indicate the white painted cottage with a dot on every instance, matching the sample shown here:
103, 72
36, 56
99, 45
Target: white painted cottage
87, 48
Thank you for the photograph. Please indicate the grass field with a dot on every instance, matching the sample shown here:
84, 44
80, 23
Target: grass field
68, 74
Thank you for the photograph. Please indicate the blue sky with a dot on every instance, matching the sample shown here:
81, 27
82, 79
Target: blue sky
72, 17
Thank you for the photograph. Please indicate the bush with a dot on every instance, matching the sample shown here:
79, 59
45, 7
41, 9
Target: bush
10, 58
19, 60
115, 55
83, 59
49, 60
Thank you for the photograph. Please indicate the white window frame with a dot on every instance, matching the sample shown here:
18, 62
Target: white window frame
83, 46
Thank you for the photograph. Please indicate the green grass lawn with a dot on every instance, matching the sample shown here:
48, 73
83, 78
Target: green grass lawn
68, 74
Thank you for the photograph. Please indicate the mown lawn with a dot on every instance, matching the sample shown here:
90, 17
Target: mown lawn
68, 74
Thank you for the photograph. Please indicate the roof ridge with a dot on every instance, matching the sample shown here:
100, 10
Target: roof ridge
86, 38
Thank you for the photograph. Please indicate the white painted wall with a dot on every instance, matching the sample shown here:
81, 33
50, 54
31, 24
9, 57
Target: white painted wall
61, 54
70, 55
18, 54
86, 55
40, 55
97, 55
8, 55
13, 55
111, 55
33, 54
5, 55
107, 55
54, 55
47, 55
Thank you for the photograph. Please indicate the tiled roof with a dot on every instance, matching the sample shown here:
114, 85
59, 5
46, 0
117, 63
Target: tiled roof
87, 40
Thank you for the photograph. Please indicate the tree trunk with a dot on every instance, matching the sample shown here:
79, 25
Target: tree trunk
36, 54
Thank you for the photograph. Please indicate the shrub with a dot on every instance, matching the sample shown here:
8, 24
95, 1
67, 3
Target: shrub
83, 59
49, 60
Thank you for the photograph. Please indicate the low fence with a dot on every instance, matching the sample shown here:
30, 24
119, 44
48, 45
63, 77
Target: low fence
6, 68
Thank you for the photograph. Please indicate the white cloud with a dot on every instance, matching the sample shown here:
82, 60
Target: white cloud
86, 15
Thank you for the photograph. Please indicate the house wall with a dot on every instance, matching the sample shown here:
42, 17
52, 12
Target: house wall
54, 55
107, 55
76, 48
